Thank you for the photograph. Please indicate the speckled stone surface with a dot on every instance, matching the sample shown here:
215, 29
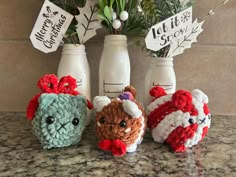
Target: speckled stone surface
21, 154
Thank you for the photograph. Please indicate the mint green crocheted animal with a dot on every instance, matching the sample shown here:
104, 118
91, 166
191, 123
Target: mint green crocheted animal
60, 119
59, 112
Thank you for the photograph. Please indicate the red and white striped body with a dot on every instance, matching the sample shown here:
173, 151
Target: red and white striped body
181, 119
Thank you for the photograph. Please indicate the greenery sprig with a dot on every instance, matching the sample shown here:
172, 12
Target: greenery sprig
120, 16
155, 11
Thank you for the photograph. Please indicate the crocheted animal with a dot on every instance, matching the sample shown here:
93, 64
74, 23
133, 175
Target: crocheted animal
181, 119
59, 112
120, 122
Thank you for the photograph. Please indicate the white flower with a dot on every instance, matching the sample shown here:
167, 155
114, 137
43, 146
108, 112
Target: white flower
114, 16
116, 24
124, 15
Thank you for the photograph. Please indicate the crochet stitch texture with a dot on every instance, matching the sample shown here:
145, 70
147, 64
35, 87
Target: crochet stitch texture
120, 122
181, 120
58, 113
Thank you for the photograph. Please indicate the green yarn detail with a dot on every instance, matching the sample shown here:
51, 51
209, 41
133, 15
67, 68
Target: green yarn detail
55, 122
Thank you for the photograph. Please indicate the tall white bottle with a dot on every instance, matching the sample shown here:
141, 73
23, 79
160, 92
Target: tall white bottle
114, 68
74, 62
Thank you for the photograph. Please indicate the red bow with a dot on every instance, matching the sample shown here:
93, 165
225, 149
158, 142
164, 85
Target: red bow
49, 84
117, 147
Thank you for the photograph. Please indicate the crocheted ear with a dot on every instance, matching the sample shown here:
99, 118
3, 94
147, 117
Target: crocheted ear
100, 102
46, 99
182, 98
157, 92
131, 108
200, 96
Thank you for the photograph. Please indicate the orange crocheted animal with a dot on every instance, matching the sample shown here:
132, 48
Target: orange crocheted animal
120, 122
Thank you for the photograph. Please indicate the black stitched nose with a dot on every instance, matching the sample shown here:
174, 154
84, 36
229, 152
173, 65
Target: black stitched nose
111, 125
63, 126
203, 120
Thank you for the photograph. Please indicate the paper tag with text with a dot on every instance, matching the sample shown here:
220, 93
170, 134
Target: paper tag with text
50, 27
169, 30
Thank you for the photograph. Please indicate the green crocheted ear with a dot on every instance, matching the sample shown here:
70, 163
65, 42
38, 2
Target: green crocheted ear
46, 99
60, 119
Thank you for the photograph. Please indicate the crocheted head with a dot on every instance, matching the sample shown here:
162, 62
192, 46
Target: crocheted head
120, 122
58, 113
181, 119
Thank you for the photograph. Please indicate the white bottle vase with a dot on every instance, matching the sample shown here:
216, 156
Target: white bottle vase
114, 68
160, 73
74, 63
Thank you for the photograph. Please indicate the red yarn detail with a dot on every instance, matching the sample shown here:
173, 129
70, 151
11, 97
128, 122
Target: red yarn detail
32, 107
206, 109
157, 92
159, 114
179, 136
48, 83
167, 108
89, 104
204, 132
105, 145
117, 147
67, 85
181, 99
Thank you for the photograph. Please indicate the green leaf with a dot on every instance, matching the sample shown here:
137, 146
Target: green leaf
102, 16
102, 4
111, 3
122, 5
107, 13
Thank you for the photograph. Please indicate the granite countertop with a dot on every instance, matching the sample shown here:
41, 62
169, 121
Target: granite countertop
21, 154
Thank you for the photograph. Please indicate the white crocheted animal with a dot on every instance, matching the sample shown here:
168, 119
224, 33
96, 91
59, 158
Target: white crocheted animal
181, 119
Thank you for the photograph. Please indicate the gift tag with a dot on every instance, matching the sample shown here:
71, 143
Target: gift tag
169, 30
50, 27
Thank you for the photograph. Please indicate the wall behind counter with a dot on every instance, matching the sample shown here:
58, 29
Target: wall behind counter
210, 65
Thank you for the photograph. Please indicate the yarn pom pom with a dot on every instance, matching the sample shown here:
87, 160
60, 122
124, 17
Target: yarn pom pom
131, 89
48, 83
126, 96
181, 99
157, 92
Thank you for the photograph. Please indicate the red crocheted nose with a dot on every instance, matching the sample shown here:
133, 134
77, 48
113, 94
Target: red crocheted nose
117, 147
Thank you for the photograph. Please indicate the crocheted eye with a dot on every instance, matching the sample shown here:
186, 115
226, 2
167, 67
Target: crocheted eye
50, 120
191, 121
209, 117
75, 121
102, 120
122, 123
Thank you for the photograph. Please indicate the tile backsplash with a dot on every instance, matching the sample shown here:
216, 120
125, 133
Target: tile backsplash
209, 65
